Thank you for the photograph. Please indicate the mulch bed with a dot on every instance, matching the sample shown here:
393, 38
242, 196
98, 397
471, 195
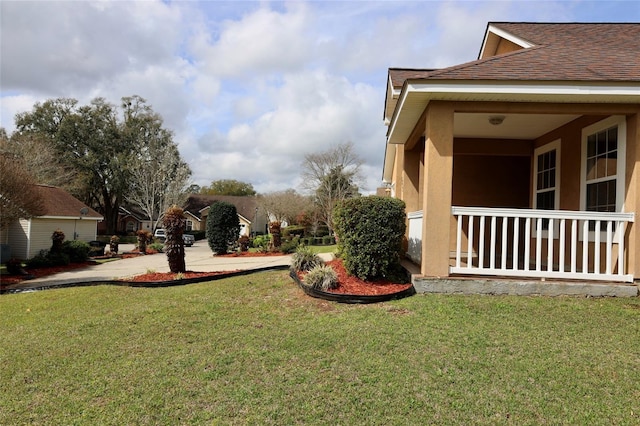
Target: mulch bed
348, 284
7, 280
251, 254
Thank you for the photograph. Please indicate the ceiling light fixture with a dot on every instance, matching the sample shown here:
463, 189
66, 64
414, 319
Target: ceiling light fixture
496, 120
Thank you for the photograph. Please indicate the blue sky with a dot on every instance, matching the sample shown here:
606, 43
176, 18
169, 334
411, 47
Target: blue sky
249, 88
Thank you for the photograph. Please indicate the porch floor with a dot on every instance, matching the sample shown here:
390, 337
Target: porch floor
516, 286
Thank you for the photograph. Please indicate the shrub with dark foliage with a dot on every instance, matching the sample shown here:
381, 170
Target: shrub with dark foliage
223, 227
174, 222
370, 232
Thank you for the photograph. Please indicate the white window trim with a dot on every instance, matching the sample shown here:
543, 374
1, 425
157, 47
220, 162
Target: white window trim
536, 153
621, 122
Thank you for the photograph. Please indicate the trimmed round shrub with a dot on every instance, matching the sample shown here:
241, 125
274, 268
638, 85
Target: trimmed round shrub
223, 227
305, 259
370, 232
322, 278
78, 251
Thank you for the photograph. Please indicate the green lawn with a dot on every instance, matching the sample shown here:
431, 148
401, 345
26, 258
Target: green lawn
255, 350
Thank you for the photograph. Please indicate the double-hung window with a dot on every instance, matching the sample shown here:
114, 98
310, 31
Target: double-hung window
603, 154
546, 185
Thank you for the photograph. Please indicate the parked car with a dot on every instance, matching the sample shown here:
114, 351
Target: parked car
159, 234
188, 239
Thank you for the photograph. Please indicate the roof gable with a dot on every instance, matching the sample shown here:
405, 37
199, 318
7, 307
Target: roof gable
59, 203
245, 205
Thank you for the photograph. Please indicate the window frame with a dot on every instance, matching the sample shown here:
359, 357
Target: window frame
541, 150
620, 122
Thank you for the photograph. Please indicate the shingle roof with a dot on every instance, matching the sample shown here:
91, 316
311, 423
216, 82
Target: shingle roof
58, 202
246, 206
562, 52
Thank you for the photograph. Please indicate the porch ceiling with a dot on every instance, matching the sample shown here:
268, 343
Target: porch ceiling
514, 126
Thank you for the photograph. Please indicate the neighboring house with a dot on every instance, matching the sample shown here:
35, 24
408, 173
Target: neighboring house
130, 220
26, 237
525, 162
251, 216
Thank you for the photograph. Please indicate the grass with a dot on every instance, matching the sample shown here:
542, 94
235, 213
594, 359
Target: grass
255, 350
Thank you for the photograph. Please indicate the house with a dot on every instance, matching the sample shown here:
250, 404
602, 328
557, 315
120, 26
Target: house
130, 220
26, 237
526, 161
253, 219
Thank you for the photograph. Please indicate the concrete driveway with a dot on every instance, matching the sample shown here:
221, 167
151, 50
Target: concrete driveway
197, 258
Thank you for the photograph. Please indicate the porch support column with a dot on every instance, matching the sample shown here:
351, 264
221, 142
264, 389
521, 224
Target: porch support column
436, 202
632, 201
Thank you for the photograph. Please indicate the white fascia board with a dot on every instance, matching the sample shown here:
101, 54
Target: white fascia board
71, 218
535, 88
505, 35
526, 91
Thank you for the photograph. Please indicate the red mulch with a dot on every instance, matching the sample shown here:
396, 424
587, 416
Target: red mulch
251, 254
7, 280
348, 284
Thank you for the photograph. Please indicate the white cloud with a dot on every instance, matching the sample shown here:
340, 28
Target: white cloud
249, 88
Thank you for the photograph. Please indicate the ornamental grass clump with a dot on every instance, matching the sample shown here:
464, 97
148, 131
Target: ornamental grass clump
322, 278
305, 259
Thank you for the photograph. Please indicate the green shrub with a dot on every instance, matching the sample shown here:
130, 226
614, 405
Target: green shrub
322, 278
289, 246
223, 227
370, 232
327, 240
40, 260
292, 231
78, 251
45, 259
159, 247
305, 259
261, 242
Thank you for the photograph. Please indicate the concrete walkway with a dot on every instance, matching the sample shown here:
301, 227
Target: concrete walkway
198, 259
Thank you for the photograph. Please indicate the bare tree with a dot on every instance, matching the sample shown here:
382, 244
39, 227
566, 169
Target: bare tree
18, 199
284, 206
38, 155
331, 176
156, 186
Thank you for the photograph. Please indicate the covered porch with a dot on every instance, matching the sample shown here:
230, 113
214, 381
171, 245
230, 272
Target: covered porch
504, 190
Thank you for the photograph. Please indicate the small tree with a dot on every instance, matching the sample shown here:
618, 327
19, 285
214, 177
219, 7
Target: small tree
174, 224
223, 226
57, 239
370, 232
144, 238
275, 229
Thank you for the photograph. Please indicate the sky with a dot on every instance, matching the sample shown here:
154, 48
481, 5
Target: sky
250, 87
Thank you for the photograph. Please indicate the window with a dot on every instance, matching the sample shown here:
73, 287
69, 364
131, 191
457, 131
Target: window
602, 166
603, 143
546, 184
131, 225
189, 225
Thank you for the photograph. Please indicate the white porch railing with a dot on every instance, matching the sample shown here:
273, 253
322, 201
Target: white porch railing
541, 243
